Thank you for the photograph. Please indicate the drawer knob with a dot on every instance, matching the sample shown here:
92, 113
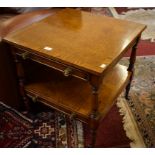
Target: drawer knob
34, 99
25, 55
67, 72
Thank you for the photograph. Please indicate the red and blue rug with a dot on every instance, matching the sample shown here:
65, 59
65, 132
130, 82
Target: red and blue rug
45, 129
49, 128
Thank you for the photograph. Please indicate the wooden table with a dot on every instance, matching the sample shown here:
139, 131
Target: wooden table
70, 61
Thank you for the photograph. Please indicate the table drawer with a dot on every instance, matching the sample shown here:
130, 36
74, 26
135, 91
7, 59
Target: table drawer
67, 70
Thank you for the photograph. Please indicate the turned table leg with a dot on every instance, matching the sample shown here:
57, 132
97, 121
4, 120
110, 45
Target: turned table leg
131, 67
21, 81
93, 131
93, 121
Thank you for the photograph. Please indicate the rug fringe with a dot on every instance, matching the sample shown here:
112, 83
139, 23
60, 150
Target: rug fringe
114, 12
129, 124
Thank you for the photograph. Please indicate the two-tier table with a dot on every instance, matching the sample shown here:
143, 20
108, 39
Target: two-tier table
69, 61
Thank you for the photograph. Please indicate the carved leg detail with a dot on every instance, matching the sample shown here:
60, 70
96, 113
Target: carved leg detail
93, 122
20, 74
128, 88
23, 94
131, 67
93, 131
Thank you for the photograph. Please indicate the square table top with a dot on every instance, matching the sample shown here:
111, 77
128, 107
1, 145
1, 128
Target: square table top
79, 39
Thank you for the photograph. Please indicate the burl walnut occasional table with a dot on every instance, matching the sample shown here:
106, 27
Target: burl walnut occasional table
70, 60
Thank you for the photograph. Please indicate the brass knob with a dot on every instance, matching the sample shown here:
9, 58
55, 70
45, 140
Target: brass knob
25, 55
67, 72
34, 99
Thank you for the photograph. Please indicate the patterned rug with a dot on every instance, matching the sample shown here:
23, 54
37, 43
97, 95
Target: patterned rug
142, 97
46, 129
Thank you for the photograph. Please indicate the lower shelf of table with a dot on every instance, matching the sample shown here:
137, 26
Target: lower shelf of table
73, 95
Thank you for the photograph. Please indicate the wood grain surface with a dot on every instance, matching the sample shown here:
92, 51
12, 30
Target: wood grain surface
72, 94
80, 39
